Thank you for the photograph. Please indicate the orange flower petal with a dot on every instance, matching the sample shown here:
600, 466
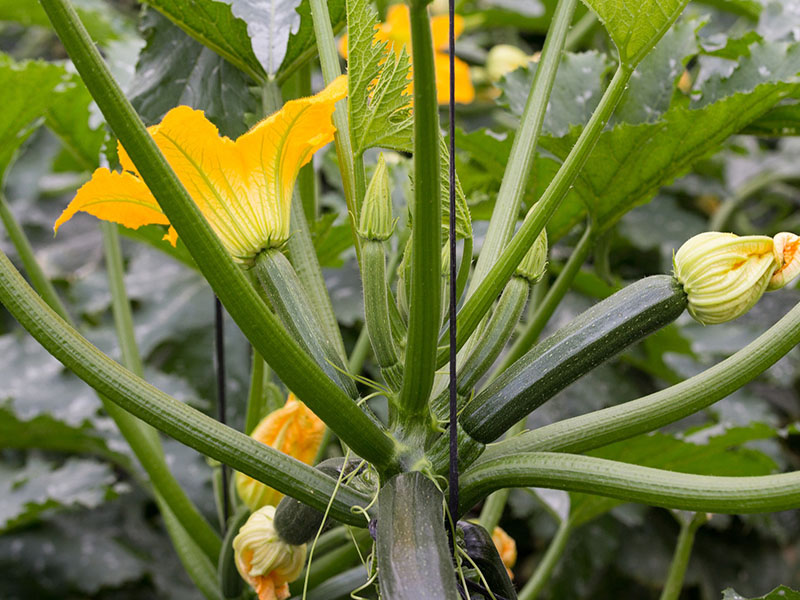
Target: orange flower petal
440, 31
787, 253
465, 92
117, 197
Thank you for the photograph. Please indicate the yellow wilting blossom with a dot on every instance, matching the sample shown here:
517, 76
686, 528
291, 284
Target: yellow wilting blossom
396, 31
294, 430
243, 187
506, 547
724, 274
264, 560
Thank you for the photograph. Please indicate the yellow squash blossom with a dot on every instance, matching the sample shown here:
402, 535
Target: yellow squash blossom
506, 547
263, 559
243, 187
292, 429
396, 31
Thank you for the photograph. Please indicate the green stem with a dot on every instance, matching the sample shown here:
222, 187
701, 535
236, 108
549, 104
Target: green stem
631, 483
259, 375
41, 283
294, 367
178, 420
425, 301
680, 559
580, 30
376, 310
519, 167
545, 310
547, 563
503, 268
495, 504
359, 354
304, 259
291, 304
603, 427
720, 221
329, 61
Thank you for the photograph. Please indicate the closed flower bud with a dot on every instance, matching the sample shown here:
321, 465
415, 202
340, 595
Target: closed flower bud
503, 59
506, 548
292, 429
723, 274
376, 212
263, 559
534, 263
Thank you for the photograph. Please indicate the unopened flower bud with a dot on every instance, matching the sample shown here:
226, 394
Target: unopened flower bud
723, 274
294, 430
503, 59
788, 259
264, 560
506, 548
534, 263
376, 212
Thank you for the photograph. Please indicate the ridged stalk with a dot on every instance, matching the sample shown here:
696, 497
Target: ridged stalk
544, 569
425, 299
294, 367
289, 300
184, 423
680, 559
376, 310
632, 483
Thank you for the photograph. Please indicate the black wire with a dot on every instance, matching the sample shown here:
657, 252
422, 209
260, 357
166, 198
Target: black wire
453, 473
219, 343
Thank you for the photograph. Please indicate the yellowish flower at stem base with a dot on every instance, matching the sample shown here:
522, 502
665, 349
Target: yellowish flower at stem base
243, 187
506, 547
294, 430
787, 254
265, 562
396, 32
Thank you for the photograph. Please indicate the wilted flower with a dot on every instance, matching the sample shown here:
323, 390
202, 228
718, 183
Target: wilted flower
504, 58
243, 188
292, 429
265, 561
534, 262
724, 275
376, 211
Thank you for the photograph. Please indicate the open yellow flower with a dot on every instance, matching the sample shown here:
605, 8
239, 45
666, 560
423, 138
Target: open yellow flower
396, 31
243, 187
292, 429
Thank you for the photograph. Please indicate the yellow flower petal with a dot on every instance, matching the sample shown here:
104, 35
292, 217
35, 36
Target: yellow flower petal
117, 197
787, 254
465, 92
294, 430
440, 31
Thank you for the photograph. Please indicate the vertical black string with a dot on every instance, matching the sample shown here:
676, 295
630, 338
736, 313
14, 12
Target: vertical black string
219, 343
453, 473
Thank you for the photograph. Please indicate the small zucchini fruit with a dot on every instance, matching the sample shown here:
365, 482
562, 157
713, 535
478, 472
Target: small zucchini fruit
593, 337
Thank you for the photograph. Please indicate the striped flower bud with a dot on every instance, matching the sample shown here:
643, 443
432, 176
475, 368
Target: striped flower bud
534, 263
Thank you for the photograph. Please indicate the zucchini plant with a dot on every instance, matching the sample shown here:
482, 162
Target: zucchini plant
386, 472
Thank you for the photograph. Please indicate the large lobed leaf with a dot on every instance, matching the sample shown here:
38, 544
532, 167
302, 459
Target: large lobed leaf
635, 26
779, 593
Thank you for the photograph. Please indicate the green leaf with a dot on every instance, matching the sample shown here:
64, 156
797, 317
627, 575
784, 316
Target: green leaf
102, 21
39, 486
212, 24
380, 111
783, 120
302, 44
330, 240
412, 552
581, 78
635, 26
779, 593
630, 163
269, 24
174, 69
705, 452
26, 92
68, 117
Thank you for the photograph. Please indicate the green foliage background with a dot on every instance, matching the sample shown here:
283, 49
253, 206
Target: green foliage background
75, 521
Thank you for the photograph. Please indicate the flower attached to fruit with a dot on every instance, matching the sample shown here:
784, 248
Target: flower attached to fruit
724, 275
292, 429
243, 187
264, 560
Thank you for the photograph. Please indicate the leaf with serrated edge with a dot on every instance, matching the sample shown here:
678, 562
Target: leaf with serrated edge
635, 26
